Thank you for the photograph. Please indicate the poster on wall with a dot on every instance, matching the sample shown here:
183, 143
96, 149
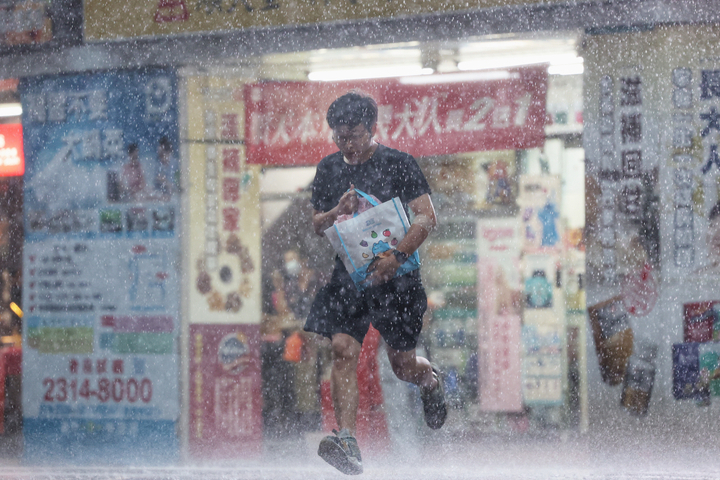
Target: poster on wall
101, 272
26, 22
224, 237
542, 363
539, 201
225, 391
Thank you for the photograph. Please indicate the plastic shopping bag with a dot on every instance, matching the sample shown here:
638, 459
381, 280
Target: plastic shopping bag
359, 240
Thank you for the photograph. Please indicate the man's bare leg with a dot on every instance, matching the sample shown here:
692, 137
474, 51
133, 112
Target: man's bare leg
417, 370
343, 380
411, 368
341, 450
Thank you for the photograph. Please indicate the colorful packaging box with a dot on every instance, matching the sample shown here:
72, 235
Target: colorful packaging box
686, 373
709, 363
699, 321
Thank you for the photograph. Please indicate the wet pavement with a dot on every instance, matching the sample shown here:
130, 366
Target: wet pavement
560, 458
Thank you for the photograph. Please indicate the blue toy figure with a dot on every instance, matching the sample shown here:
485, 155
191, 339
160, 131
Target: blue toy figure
547, 216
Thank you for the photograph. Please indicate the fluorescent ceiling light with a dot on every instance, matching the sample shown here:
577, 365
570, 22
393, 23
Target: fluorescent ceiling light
460, 77
368, 72
518, 60
567, 69
10, 110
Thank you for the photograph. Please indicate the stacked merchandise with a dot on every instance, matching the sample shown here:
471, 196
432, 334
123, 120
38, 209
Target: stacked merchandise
450, 277
696, 361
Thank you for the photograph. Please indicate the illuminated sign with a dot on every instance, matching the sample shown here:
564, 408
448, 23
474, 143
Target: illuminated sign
106, 20
12, 158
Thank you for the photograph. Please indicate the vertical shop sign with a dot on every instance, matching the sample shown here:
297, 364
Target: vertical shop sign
224, 242
695, 168
624, 233
101, 273
499, 323
606, 227
223, 246
225, 393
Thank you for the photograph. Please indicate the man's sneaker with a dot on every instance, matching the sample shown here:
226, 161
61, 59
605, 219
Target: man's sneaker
434, 402
342, 452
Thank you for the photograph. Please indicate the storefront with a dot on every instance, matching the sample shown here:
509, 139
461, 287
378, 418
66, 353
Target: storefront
505, 270
477, 182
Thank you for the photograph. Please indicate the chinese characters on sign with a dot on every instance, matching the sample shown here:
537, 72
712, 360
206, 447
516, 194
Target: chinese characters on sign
226, 264
140, 18
542, 364
625, 182
606, 227
695, 161
225, 396
499, 325
100, 266
285, 121
684, 182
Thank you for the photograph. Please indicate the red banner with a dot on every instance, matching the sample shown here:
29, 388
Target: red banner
285, 121
225, 392
12, 158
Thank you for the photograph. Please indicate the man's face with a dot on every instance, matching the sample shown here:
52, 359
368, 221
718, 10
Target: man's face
353, 142
291, 255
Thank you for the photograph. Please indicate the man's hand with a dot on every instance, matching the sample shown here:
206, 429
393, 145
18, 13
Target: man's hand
383, 269
348, 203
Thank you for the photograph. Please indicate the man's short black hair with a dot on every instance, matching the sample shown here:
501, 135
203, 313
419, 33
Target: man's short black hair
351, 110
132, 148
714, 212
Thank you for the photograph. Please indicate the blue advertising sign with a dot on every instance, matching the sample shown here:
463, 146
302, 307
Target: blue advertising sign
101, 268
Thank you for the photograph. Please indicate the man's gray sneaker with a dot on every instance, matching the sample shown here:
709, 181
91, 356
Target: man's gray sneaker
434, 404
342, 452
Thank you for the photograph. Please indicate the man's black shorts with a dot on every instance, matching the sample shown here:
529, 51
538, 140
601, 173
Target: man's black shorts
395, 309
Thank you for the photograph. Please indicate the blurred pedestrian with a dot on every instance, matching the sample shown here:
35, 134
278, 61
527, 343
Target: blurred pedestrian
165, 181
295, 289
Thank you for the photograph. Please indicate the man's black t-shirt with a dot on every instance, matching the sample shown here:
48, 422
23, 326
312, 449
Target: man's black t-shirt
387, 174
396, 307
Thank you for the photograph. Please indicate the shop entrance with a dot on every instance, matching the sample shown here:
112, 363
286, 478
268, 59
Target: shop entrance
503, 271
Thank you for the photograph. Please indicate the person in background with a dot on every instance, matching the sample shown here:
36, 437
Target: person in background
295, 288
165, 181
132, 178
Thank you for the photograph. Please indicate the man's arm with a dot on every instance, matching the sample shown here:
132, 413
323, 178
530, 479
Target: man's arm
347, 205
425, 220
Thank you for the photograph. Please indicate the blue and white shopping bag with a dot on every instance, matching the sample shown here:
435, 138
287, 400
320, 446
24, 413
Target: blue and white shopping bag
359, 240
